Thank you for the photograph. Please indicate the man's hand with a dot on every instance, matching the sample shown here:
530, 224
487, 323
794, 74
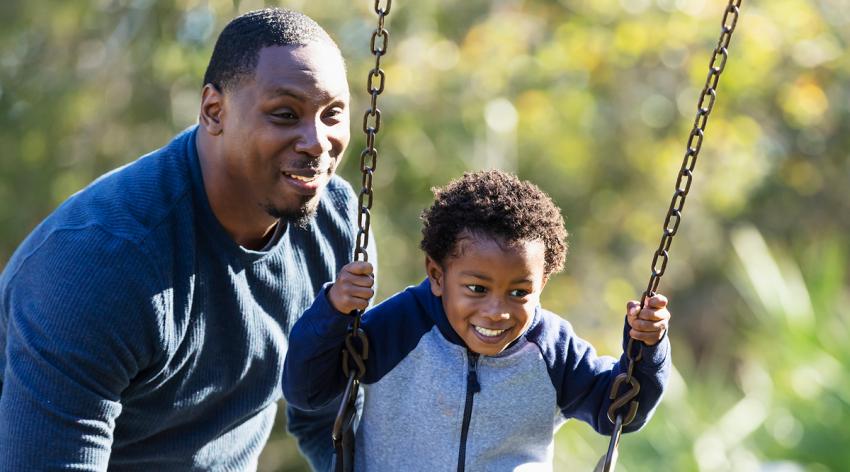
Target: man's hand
353, 287
650, 324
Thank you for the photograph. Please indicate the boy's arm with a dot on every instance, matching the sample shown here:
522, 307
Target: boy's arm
80, 322
312, 371
586, 379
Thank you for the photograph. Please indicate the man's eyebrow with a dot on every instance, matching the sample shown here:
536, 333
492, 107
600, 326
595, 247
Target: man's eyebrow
284, 91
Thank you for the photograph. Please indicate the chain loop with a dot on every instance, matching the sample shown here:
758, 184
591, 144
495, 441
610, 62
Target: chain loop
382, 12
705, 105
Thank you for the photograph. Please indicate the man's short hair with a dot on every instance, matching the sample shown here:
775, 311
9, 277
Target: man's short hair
237, 48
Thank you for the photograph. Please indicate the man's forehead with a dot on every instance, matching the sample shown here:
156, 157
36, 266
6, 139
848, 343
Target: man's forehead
317, 64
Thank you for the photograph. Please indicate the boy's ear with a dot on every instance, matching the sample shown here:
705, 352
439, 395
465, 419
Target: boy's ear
435, 276
211, 110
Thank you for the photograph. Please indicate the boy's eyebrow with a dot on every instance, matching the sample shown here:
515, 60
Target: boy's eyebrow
490, 279
476, 275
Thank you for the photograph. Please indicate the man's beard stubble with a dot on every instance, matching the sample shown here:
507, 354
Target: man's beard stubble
299, 217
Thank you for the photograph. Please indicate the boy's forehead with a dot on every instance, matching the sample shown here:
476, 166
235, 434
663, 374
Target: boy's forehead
480, 242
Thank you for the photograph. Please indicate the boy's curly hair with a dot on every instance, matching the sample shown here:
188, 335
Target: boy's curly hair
493, 203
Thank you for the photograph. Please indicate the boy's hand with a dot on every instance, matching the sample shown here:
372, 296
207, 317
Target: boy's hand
353, 287
651, 323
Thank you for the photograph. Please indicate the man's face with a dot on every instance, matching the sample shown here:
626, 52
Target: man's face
285, 129
489, 290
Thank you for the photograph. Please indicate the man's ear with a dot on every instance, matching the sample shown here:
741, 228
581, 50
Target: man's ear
211, 110
435, 276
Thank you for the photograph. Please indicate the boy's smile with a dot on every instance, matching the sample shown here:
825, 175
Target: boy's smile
489, 289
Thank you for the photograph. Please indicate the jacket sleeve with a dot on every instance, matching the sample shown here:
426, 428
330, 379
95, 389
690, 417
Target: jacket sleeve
583, 379
79, 325
312, 372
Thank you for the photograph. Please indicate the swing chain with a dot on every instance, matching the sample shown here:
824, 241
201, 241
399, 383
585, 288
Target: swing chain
634, 349
356, 349
371, 126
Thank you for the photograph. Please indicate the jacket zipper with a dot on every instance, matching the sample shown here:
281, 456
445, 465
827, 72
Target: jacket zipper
472, 387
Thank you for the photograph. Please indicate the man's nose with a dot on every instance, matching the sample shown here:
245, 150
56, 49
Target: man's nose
313, 139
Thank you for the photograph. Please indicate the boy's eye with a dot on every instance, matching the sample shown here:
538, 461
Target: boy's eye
476, 288
519, 293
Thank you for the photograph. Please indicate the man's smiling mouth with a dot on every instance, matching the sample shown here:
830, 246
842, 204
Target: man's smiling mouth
303, 178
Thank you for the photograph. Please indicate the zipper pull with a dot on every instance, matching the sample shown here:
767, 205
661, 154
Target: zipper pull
472, 378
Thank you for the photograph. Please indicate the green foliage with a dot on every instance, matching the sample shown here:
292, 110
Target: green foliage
590, 100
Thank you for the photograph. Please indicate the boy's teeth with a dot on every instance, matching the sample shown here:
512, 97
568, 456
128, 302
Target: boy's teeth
489, 332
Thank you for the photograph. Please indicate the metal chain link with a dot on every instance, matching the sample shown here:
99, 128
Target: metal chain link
356, 343
634, 349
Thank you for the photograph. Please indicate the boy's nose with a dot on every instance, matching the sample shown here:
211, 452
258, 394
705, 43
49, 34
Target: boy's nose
497, 311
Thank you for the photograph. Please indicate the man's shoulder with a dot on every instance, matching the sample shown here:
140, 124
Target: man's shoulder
339, 197
340, 186
337, 214
119, 209
132, 200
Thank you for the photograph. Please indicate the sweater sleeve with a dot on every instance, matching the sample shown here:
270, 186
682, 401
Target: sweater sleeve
80, 320
583, 379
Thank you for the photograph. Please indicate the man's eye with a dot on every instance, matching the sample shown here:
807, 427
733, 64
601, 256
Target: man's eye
285, 115
519, 293
476, 288
335, 114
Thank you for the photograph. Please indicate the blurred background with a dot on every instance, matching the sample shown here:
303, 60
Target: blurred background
591, 100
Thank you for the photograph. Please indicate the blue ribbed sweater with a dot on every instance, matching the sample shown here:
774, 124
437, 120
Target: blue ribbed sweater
136, 335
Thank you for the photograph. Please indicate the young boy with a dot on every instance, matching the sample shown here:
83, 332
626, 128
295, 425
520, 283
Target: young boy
466, 371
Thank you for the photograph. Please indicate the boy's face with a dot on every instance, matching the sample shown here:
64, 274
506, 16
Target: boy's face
489, 289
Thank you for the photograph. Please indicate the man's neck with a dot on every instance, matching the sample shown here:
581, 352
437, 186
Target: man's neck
246, 223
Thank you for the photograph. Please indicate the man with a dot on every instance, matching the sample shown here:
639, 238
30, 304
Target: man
144, 323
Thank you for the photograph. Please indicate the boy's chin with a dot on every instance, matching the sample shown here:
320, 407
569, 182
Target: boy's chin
484, 348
